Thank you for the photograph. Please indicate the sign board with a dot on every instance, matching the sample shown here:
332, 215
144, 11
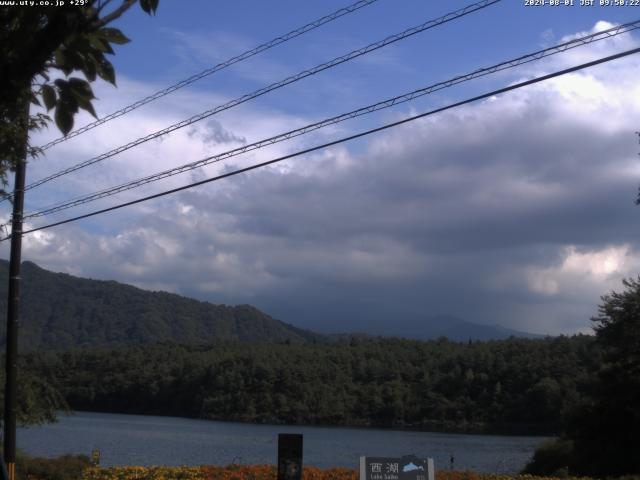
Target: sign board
393, 468
95, 457
289, 456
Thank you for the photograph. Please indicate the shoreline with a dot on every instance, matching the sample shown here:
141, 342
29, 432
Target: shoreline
156, 440
486, 431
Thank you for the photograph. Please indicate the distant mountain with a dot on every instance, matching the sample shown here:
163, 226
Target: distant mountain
435, 327
460, 330
60, 311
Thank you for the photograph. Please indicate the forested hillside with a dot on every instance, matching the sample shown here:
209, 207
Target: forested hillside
60, 311
159, 353
514, 385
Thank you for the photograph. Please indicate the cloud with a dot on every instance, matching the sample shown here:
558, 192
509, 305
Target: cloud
203, 49
517, 210
584, 268
213, 133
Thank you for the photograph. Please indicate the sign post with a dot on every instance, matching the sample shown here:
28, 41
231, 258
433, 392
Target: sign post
392, 468
289, 456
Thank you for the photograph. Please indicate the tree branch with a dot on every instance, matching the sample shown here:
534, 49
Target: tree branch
102, 5
126, 5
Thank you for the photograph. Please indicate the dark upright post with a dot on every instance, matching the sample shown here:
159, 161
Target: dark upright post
289, 456
13, 317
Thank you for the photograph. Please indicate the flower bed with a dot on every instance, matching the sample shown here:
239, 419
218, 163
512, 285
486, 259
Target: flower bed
266, 472
231, 472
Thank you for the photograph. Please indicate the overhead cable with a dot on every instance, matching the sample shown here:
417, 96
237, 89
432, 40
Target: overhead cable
220, 66
584, 40
339, 141
294, 78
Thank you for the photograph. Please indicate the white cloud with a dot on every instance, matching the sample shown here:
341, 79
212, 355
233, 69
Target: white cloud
516, 210
595, 270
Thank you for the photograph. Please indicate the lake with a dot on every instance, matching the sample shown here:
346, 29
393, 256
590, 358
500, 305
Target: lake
150, 440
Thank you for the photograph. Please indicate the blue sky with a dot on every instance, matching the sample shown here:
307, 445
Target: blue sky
515, 211
182, 40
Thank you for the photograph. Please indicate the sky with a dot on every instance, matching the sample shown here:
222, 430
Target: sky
517, 210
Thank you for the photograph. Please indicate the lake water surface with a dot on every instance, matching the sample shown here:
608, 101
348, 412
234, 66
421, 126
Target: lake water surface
149, 440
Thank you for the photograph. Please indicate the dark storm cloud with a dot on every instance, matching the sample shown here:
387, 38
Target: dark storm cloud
432, 214
518, 211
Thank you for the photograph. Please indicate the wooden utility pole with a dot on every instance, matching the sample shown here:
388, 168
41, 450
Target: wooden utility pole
13, 309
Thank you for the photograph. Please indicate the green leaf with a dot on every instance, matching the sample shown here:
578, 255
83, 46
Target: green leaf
106, 71
82, 95
64, 119
86, 104
100, 44
81, 44
90, 69
68, 98
61, 60
74, 59
67, 107
34, 100
113, 35
80, 88
149, 6
49, 96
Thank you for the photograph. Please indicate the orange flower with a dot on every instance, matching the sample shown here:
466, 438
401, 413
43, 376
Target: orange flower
267, 472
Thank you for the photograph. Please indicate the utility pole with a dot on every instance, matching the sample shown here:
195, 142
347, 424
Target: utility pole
13, 307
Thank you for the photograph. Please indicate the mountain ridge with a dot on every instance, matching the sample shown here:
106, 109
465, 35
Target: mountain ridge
60, 311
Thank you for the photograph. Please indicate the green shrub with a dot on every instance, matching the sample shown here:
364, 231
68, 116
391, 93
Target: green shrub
553, 458
66, 467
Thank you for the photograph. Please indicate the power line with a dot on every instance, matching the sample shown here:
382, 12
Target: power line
220, 66
585, 40
294, 78
342, 140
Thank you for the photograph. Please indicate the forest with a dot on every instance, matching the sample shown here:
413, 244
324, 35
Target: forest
506, 386
60, 311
